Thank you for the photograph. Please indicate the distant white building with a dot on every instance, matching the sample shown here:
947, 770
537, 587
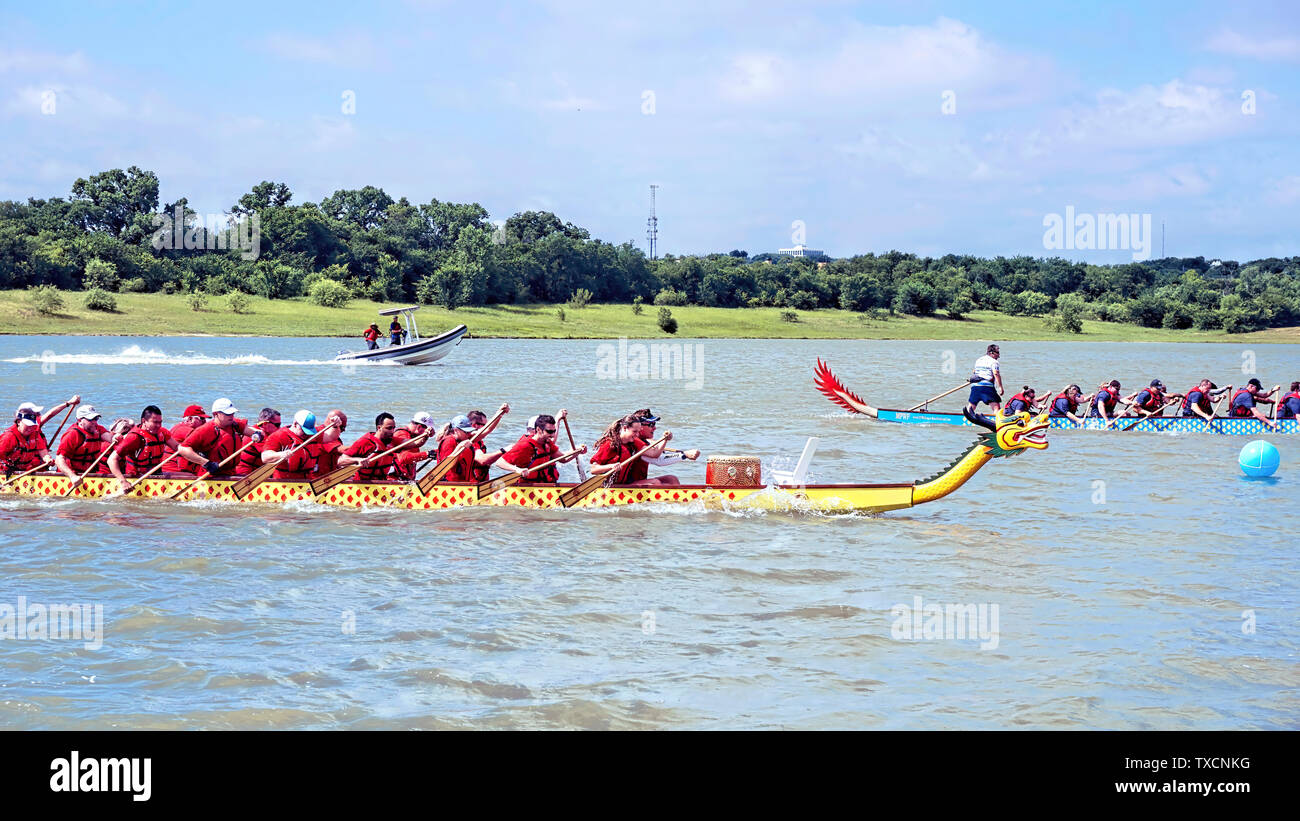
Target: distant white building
802, 251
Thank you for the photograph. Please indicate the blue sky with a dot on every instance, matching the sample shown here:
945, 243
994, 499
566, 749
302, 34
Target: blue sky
764, 114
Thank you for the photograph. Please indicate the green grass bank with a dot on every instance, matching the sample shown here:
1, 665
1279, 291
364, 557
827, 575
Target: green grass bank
170, 315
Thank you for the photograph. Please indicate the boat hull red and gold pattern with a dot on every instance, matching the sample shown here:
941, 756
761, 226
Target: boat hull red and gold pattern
831, 498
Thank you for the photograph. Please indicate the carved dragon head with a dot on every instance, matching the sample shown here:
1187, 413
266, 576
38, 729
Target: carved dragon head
1012, 435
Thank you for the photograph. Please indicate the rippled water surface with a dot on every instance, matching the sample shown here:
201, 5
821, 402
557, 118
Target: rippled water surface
1140, 581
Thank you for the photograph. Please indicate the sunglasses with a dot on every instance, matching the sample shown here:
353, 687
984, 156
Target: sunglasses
549, 430
29, 416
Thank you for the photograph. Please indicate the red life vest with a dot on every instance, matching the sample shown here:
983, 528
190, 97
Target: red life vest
1205, 403
480, 471
1155, 400
1109, 403
298, 467
148, 455
80, 449
369, 445
1074, 404
21, 453
535, 454
618, 452
1282, 411
1020, 397
370, 335
1240, 410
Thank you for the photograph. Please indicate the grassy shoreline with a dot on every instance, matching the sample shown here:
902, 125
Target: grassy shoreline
169, 315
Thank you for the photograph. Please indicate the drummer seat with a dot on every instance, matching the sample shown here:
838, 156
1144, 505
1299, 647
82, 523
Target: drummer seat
800, 473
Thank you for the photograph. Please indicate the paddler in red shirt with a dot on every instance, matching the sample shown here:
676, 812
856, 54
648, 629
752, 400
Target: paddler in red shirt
268, 422
407, 461
482, 459
331, 445
81, 445
538, 448
142, 448
461, 429
619, 442
364, 451
192, 418
23, 446
212, 442
647, 422
293, 463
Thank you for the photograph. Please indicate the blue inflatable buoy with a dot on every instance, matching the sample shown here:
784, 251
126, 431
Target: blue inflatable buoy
1258, 459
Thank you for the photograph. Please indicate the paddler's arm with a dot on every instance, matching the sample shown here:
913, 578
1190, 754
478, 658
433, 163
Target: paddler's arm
63, 467
59, 408
486, 459
505, 406
656, 451
189, 454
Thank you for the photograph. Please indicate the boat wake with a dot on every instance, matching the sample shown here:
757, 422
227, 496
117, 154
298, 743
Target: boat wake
136, 355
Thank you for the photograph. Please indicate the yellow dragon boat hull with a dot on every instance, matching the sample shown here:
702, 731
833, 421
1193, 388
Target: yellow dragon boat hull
1007, 436
826, 498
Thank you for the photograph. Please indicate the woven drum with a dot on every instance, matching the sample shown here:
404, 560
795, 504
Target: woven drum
733, 471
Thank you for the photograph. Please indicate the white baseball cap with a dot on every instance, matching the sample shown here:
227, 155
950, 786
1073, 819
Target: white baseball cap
532, 422
304, 419
223, 405
88, 412
28, 406
423, 418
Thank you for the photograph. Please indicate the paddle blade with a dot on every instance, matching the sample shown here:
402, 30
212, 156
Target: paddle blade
428, 480
581, 491
486, 489
245, 485
334, 477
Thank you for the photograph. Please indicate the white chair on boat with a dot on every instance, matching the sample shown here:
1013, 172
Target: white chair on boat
800, 472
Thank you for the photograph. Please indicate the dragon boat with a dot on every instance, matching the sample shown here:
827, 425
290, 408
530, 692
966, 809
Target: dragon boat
1006, 436
833, 389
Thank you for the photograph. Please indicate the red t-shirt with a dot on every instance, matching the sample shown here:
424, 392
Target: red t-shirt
19, 452
369, 445
527, 452
463, 468
141, 451
214, 443
610, 453
297, 467
80, 448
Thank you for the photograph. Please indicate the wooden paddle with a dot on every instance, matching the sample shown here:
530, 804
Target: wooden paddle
83, 476
260, 473
340, 475
581, 491
428, 480
9, 482
940, 396
206, 474
61, 424
582, 474
491, 486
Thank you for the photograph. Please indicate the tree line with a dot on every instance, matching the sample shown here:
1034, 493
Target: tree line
362, 243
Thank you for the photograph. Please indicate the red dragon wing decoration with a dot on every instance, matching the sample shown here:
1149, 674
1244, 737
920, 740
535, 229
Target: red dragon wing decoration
834, 390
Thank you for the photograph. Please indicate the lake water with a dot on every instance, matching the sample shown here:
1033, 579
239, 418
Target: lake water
1138, 581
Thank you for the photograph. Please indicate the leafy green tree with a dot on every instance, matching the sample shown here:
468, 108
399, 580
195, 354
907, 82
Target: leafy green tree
265, 194
914, 297
117, 200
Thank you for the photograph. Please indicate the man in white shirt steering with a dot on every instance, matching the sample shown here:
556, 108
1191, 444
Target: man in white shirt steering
986, 381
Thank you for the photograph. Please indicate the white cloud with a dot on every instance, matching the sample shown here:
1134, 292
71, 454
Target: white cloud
882, 64
1176, 113
1236, 44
